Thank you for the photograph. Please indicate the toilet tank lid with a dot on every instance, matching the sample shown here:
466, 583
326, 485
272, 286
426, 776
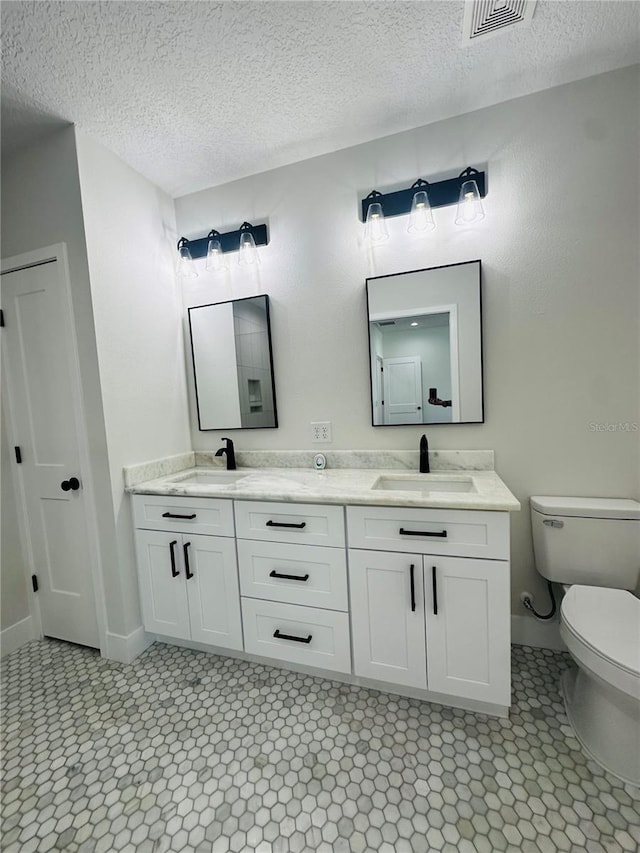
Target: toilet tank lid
623, 508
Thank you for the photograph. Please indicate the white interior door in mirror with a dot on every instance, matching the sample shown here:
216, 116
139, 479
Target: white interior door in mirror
403, 389
433, 316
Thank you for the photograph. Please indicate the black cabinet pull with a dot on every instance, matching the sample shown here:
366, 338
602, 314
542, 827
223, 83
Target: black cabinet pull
442, 534
286, 524
174, 571
280, 636
274, 574
434, 584
413, 588
175, 515
187, 569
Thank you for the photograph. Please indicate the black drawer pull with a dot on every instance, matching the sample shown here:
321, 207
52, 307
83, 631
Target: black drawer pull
434, 584
274, 574
174, 571
175, 515
187, 568
442, 534
286, 524
413, 588
280, 636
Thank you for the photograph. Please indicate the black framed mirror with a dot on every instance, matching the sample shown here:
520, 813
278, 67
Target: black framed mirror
425, 346
233, 364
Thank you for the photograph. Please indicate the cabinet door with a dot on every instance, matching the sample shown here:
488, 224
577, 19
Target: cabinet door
163, 594
212, 588
387, 620
468, 628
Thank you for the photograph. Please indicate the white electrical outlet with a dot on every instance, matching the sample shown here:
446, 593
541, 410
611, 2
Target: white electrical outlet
321, 432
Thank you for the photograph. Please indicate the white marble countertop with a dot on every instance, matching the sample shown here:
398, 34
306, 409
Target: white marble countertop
338, 486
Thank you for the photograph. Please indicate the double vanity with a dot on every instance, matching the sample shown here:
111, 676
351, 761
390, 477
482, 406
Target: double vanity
381, 577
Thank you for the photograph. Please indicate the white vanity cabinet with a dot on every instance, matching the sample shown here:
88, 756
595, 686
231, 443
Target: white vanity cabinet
430, 606
416, 599
293, 577
188, 580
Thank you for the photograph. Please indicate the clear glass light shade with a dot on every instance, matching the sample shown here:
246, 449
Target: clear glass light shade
186, 266
470, 207
248, 252
375, 226
216, 261
421, 217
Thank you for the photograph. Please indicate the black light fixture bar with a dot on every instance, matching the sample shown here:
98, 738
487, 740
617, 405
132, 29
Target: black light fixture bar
441, 194
229, 241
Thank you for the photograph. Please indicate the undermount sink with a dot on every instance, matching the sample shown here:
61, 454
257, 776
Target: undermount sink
425, 483
211, 478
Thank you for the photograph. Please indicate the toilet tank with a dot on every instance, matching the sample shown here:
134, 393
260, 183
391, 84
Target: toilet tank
592, 541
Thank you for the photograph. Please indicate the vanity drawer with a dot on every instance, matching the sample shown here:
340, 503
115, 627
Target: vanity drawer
463, 533
184, 515
309, 524
297, 574
305, 635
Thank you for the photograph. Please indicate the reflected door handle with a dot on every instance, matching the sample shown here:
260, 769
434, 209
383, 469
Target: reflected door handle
72, 484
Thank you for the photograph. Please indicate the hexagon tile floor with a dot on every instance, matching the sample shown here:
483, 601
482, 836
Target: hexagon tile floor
184, 751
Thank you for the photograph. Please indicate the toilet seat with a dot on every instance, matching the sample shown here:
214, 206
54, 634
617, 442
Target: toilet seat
601, 627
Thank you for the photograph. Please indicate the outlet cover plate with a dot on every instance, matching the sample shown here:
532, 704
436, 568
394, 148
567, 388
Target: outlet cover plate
321, 432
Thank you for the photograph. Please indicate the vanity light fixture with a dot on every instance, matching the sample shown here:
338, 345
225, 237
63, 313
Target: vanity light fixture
215, 245
421, 198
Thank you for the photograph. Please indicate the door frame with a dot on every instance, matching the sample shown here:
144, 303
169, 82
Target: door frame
58, 253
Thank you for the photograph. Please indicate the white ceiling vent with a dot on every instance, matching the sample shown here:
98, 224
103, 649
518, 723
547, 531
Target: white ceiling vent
485, 18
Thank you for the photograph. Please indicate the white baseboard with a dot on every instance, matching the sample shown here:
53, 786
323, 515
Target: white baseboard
17, 635
529, 631
124, 649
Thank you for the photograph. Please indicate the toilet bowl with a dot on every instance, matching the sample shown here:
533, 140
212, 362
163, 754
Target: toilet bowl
592, 546
601, 628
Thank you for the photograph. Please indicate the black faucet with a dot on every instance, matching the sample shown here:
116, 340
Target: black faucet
230, 453
424, 455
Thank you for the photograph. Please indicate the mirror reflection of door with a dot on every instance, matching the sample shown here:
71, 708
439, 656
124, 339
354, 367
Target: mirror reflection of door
425, 331
402, 390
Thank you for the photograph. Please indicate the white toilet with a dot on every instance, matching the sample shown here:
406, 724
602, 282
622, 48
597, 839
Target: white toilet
592, 546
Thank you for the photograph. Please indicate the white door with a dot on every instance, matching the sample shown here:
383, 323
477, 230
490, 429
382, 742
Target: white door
387, 617
163, 590
403, 390
468, 627
41, 375
212, 588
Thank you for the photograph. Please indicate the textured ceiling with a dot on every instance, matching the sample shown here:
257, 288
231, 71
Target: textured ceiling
194, 94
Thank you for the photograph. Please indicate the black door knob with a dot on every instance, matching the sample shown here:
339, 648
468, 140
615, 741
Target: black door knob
72, 484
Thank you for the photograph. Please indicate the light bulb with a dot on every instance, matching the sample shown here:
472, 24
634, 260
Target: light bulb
470, 207
216, 261
375, 225
248, 252
186, 267
421, 217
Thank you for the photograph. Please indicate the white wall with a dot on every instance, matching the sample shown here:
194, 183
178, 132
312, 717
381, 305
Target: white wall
559, 250
41, 206
130, 235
